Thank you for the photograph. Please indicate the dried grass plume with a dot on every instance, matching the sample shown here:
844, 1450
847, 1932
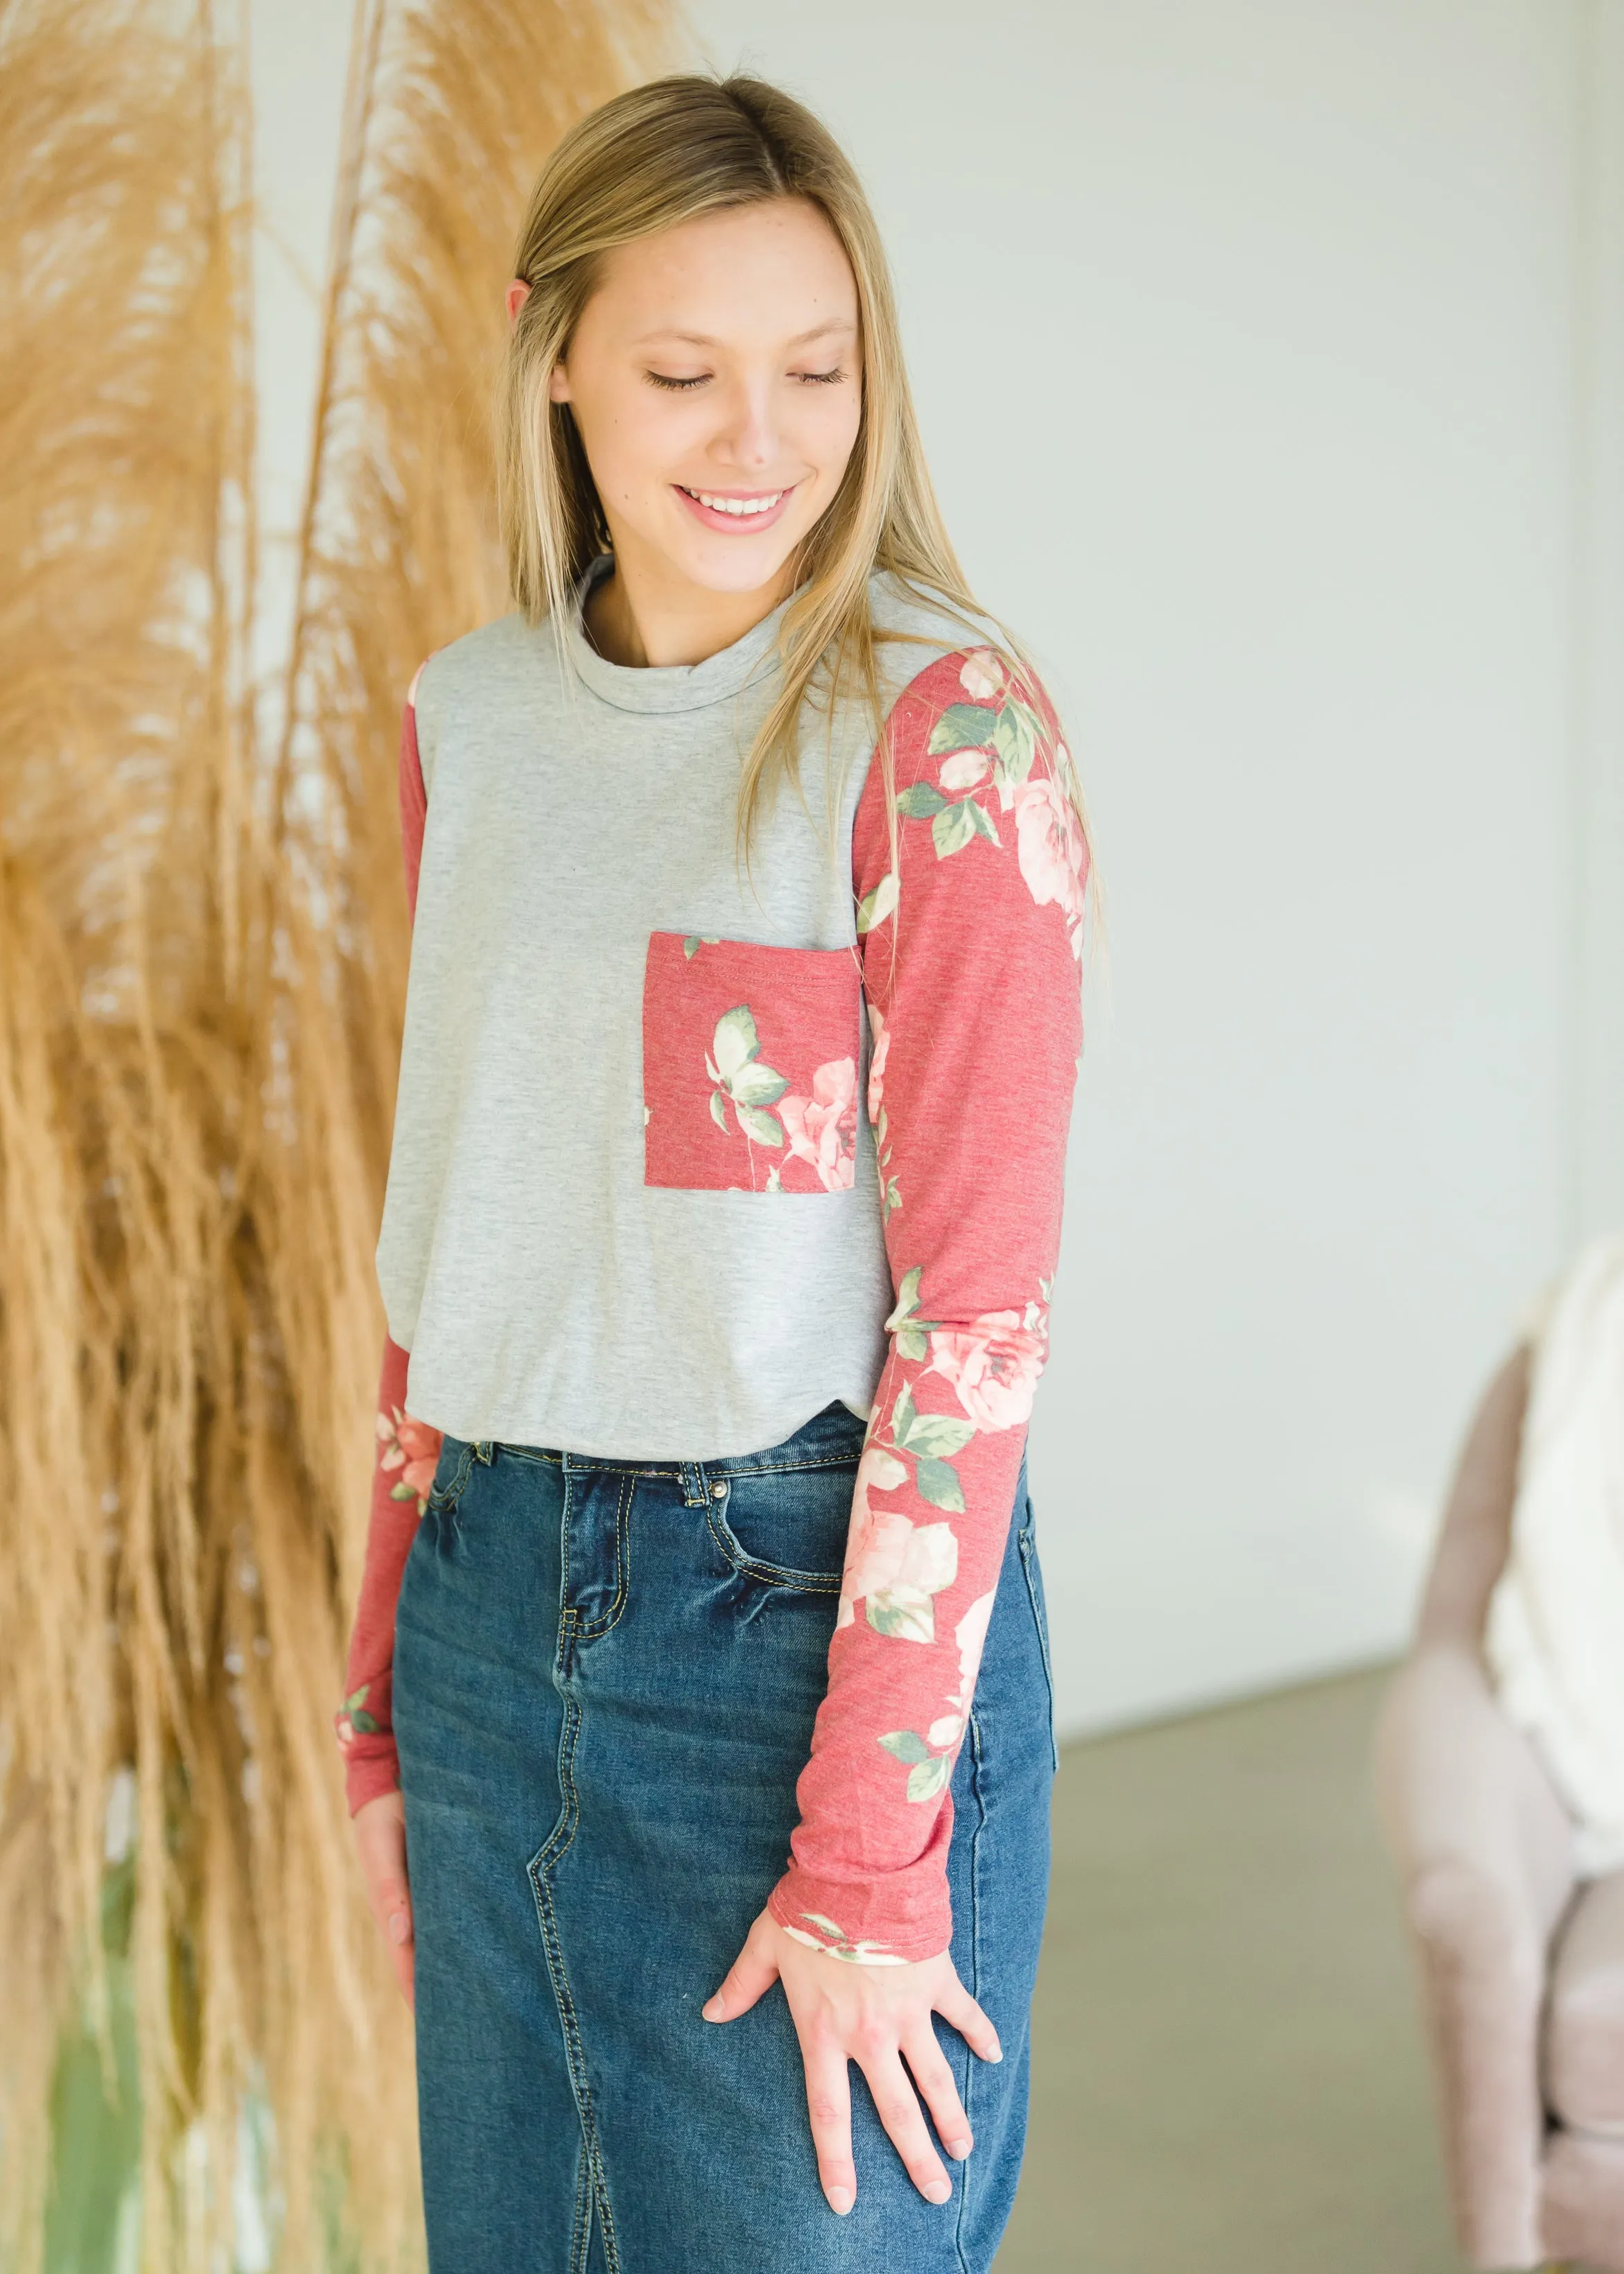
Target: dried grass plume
202, 958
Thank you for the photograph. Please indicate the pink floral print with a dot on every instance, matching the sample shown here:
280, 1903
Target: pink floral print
993, 1364
821, 1129
413, 1448
890, 1196
1053, 859
970, 942
881, 1044
749, 1065
407, 1454
403, 1471
929, 1758
982, 675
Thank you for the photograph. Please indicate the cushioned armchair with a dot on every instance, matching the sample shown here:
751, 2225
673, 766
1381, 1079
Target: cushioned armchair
1521, 1970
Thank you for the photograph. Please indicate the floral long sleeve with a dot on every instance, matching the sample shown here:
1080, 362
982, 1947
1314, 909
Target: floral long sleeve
408, 1452
971, 949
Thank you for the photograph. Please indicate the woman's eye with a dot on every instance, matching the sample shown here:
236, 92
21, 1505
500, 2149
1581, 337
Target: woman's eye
677, 385
822, 378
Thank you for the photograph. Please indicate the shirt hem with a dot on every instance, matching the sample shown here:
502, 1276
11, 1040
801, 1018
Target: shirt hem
552, 1431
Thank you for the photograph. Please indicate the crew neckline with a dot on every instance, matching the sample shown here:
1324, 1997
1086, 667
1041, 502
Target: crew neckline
664, 687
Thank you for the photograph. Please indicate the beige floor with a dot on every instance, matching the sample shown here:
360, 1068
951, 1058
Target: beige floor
1228, 2077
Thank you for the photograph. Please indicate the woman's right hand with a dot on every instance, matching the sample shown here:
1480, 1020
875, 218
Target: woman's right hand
381, 1838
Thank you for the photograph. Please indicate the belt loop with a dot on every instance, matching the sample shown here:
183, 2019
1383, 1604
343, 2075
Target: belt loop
696, 1484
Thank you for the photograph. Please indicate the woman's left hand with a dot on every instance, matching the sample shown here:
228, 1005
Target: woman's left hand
878, 2016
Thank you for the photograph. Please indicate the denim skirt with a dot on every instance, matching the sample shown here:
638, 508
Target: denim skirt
605, 1676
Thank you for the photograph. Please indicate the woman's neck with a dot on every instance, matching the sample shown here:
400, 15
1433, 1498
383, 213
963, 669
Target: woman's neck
642, 614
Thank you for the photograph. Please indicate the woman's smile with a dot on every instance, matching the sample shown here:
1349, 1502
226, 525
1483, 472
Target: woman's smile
736, 511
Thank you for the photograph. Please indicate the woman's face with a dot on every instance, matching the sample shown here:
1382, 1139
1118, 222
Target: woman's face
715, 376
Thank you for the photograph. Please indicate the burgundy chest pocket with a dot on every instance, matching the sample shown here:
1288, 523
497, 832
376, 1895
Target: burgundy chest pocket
749, 1065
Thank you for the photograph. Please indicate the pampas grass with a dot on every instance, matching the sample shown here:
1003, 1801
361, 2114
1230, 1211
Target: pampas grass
202, 959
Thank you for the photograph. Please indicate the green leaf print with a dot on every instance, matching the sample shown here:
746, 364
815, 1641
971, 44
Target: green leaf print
920, 801
735, 1040
926, 1781
953, 829
1016, 741
905, 1609
911, 1341
907, 1297
361, 1722
758, 1084
763, 1127
983, 823
905, 1614
902, 1415
907, 1746
893, 1199
938, 1483
963, 726
696, 940
938, 1434
718, 1114
875, 907
840, 1944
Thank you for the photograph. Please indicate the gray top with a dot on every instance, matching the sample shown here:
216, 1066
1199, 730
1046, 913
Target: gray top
547, 1295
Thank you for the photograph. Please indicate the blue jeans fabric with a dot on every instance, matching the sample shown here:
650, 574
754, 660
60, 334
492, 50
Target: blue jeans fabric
605, 1676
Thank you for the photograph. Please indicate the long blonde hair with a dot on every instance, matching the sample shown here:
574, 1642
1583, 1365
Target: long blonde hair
650, 158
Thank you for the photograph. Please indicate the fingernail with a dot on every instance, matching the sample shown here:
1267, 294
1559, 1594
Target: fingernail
939, 2190
712, 2008
400, 1926
996, 2054
840, 2200
959, 2149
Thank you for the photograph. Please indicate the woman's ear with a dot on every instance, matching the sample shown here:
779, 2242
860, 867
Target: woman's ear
558, 384
518, 293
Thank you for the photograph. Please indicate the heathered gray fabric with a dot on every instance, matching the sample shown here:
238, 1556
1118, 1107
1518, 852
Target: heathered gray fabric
546, 1294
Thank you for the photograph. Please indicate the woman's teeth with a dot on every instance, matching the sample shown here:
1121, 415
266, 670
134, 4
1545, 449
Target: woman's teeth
737, 505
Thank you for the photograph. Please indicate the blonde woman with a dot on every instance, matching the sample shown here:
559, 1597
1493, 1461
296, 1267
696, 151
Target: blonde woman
740, 1038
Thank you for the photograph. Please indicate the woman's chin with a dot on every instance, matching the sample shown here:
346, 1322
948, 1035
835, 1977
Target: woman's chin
719, 561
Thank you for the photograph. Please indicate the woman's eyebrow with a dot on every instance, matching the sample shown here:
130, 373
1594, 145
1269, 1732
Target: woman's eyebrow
704, 340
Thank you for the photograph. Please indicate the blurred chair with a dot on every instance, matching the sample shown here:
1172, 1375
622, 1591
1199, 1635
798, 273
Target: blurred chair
1522, 1968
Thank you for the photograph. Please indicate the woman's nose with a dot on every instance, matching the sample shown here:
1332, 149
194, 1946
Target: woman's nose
749, 436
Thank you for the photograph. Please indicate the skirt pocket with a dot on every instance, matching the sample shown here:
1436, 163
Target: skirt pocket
750, 1058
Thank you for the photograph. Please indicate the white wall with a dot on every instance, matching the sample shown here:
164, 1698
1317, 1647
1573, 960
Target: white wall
1242, 334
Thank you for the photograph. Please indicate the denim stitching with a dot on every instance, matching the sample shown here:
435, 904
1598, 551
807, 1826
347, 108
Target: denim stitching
587, 1630
575, 2054
442, 1502
727, 1466
976, 1765
771, 1575
744, 1467
1026, 1543
553, 1851
581, 2236
566, 1609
